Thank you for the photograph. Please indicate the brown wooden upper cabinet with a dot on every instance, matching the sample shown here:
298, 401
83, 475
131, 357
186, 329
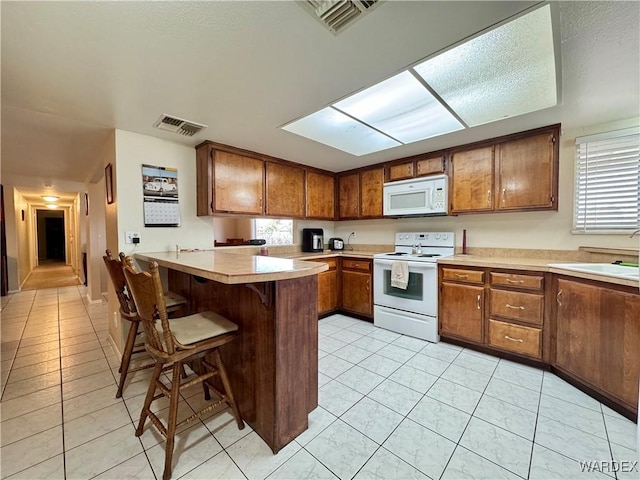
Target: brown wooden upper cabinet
509, 175
320, 196
285, 190
238, 183
525, 173
360, 194
417, 167
349, 196
400, 171
371, 195
472, 180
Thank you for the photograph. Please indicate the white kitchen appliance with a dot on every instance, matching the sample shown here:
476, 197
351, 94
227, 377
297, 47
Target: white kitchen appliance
412, 311
418, 197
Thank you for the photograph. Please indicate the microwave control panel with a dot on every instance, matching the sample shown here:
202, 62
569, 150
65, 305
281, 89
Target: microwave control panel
438, 198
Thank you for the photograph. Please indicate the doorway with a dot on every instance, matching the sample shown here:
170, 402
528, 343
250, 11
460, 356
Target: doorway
51, 237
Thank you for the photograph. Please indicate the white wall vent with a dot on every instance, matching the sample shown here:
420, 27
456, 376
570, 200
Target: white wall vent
178, 125
336, 15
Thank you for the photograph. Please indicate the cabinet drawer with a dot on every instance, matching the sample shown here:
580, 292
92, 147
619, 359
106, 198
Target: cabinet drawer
331, 262
533, 282
360, 265
516, 338
467, 276
526, 307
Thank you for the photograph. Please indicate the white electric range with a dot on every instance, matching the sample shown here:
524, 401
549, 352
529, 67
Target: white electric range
412, 311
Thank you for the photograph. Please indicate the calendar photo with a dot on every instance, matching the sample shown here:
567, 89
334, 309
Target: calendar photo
160, 196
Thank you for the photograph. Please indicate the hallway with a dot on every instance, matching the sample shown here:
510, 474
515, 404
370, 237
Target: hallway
51, 274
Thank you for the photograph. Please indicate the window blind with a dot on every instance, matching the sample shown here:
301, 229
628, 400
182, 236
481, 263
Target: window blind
607, 178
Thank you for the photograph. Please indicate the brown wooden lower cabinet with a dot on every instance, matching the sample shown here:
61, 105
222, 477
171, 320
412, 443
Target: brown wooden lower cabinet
357, 296
461, 311
328, 293
598, 337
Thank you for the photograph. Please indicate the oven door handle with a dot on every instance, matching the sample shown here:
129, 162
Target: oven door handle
416, 265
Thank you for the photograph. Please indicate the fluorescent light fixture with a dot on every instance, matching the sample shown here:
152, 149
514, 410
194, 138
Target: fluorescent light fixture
52, 206
338, 130
402, 108
49, 198
506, 72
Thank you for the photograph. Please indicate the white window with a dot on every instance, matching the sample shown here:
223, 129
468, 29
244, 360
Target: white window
607, 177
274, 231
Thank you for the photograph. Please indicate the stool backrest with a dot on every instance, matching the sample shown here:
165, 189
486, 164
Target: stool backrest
147, 292
114, 267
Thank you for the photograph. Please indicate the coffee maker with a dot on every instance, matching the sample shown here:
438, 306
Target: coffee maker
312, 240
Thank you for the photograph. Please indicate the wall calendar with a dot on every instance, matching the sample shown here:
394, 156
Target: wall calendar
160, 196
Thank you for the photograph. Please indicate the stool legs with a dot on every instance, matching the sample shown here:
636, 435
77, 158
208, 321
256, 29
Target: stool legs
157, 370
126, 356
173, 418
222, 372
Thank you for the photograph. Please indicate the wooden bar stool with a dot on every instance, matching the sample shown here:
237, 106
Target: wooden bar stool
173, 302
193, 340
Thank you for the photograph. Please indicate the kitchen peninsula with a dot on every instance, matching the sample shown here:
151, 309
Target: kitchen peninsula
273, 364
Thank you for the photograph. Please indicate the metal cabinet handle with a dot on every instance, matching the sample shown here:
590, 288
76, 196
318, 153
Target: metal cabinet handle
519, 340
515, 307
459, 275
478, 301
508, 280
504, 194
558, 295
489, 197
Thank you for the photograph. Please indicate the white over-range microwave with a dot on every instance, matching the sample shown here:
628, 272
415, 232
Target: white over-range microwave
417, 197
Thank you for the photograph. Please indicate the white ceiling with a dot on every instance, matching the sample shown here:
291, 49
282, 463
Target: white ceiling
73, 71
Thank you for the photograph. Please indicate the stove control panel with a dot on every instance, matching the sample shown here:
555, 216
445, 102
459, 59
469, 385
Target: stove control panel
435, 239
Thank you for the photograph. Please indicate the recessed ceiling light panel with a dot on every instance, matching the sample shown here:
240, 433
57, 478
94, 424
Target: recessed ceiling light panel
506, 72
338, 130
402, 108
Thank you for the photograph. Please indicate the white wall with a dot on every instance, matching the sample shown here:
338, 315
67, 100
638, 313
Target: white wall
133, 150
529, 230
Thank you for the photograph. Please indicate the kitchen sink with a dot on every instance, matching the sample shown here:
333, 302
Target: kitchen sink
611, 270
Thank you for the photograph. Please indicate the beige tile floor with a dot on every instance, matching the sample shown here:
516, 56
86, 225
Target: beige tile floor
390, 407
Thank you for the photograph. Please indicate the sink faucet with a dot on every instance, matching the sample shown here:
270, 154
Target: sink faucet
634, 233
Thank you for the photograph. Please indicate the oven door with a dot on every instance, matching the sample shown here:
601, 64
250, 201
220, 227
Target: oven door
421, 294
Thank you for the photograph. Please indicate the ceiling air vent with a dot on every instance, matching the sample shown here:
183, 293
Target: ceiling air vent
178, 125
336, 15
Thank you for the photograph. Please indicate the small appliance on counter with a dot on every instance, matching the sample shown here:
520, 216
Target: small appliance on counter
312, 240
336, 244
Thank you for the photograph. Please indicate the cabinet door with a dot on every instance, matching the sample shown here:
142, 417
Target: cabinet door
597, 335
238, 183
461, 311
472, 180
429, 166
285, 190
327, 291
525, 173
401, 171
349, 194
320, 196
578, 327
356, 292
371, 182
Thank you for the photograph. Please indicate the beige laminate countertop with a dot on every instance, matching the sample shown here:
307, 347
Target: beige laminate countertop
329, 254
234, 268
536, 264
